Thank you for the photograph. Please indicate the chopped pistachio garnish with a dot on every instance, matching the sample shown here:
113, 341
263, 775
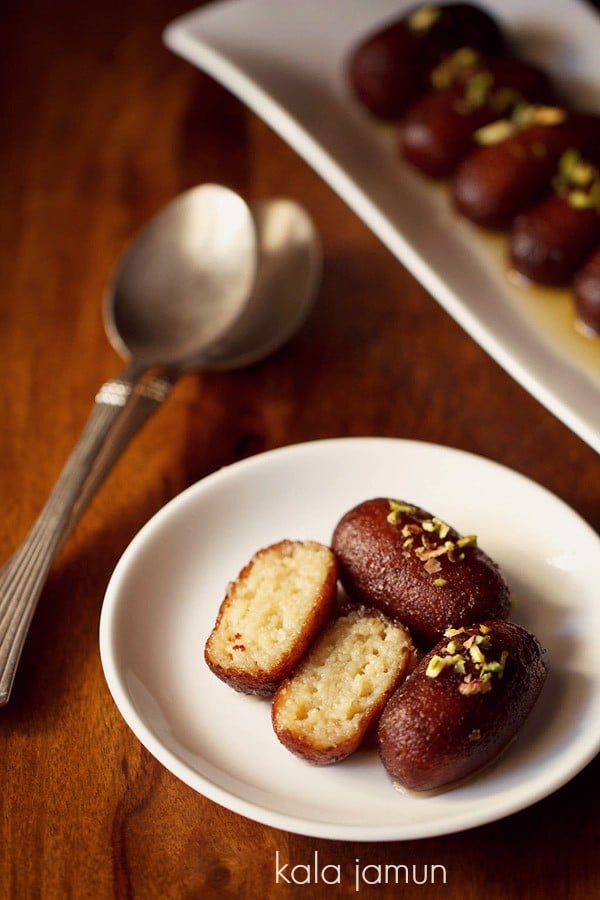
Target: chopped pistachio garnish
439, 582
397, 509
527, 114
494, 132
444, 75
434, 525
451, 632
504, 99
579, 199
442, 528
427, 538
413, 528
465, 57
494, 667
425, 553
595, 193
476, 654
438, 663
468, 540
482, 671
423, 18
583, 173
459, 665
432, 566
548, 115
478, 89
497, 667
584, 198
478, 686
523, 115
568, 164
574, 170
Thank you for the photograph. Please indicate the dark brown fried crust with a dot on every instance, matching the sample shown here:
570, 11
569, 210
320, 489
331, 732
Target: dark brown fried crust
265, 683
587, 294
378, 568
552, 239
381, 71
494, 183
435, 731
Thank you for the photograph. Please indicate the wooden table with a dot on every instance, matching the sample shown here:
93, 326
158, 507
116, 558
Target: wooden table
101, 125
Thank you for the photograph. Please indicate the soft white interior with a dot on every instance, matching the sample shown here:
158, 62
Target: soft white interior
268, 608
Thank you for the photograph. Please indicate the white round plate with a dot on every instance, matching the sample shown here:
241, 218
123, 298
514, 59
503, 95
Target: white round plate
163, 598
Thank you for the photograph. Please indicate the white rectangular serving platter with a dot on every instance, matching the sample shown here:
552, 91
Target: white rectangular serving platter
286, 62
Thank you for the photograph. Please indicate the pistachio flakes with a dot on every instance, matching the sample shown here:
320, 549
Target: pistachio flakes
428, 539
460, 653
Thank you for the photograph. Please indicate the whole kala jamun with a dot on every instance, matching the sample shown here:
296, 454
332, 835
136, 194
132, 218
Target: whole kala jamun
461, 706
400, 559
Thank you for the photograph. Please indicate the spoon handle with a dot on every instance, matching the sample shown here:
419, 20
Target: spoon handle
145, 399
102, 441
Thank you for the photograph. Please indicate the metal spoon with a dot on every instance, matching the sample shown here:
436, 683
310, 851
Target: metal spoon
209, 283
287, 278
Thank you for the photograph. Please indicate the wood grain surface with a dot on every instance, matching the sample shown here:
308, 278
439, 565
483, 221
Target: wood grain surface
101, 125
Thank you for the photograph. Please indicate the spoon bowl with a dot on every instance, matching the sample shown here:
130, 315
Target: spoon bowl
287, 279
185, 281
